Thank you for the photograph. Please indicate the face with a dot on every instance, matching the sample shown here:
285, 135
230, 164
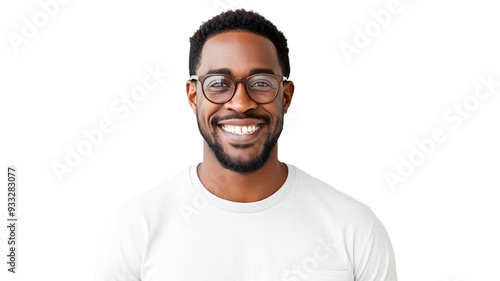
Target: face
241, 134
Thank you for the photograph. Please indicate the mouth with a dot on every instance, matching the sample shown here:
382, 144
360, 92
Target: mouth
242, 130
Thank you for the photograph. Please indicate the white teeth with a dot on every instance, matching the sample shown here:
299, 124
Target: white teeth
241, 130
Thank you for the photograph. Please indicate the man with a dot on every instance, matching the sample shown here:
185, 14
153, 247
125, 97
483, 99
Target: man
242, 214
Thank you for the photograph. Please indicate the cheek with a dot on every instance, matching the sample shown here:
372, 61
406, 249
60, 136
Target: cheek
205, 112
276, 111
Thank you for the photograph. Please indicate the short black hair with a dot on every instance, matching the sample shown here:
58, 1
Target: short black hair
238, 20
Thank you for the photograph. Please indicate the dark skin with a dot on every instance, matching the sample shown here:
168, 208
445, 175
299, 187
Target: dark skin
241, 54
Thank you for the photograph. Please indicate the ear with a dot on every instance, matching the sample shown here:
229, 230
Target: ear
191, 94
288, 88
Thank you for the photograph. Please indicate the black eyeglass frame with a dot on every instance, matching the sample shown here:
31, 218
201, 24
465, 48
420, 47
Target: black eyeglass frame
202, 78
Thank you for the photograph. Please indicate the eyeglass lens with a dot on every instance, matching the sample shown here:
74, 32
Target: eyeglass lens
260, 88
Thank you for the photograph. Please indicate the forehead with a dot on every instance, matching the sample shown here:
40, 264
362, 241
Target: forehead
238, 51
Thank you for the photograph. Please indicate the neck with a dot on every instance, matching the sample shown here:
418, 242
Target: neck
242, 187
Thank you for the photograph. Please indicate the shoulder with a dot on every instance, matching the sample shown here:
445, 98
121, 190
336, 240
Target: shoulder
329, 200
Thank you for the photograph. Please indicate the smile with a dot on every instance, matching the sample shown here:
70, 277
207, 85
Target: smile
241, 130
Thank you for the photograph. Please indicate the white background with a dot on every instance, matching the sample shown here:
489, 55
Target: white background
349, 122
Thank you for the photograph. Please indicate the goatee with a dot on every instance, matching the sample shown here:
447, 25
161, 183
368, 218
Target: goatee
237, 165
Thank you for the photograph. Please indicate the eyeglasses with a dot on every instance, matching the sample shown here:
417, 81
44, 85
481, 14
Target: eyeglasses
220, 88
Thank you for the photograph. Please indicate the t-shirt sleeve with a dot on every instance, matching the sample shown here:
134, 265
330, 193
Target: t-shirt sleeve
118, 258
376, 262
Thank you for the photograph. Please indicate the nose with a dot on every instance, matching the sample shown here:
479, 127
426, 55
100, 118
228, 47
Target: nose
240, 102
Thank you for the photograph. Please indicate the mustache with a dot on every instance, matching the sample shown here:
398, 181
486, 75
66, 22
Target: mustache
236, 115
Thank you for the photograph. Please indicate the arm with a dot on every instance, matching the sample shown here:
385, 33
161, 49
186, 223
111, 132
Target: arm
117, 256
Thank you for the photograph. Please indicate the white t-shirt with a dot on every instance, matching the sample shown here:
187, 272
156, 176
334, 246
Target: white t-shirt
307, 230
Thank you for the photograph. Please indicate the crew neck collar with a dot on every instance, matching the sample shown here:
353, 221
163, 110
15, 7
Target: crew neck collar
240, 207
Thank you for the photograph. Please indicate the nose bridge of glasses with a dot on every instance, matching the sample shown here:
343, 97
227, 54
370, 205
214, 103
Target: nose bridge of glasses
243, 81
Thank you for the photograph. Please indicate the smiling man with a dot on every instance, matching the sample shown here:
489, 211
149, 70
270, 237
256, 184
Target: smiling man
242, 214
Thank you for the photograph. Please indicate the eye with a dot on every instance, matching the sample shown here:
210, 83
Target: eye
261, 84
218, 84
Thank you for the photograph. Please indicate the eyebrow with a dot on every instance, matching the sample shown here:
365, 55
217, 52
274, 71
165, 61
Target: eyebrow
227, 71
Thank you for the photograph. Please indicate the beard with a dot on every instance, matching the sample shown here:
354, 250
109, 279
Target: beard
239, 165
